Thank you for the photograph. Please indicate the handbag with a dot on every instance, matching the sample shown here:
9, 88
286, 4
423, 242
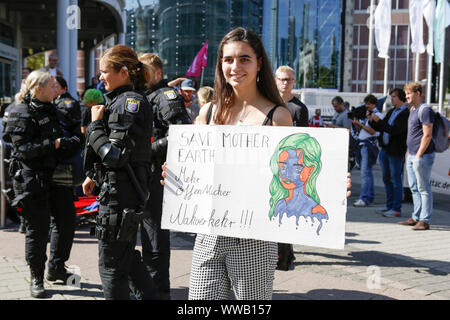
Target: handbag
285, 256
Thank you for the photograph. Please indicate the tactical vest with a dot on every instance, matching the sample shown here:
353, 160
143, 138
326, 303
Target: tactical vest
139, 126
32, 123
168, 108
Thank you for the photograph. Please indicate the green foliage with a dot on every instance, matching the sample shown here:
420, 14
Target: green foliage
36, 61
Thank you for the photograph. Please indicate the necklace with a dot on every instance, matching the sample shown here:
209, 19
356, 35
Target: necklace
241, 119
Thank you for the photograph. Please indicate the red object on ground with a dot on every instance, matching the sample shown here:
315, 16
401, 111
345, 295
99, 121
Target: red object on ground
84, 202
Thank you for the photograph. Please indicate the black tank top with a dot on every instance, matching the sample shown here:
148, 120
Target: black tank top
267, 121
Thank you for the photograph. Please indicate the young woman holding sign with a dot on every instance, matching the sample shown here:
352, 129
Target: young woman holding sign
246, 94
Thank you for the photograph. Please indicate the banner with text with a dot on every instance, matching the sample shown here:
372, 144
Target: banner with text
282, 184
440, 173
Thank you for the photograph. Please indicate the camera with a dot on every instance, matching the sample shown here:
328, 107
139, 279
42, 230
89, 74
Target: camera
358, 112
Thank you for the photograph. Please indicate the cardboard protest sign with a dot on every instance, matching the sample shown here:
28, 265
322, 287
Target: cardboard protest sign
281, 184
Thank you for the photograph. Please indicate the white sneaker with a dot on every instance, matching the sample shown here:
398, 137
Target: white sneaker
382, 210
392, 214
360, 203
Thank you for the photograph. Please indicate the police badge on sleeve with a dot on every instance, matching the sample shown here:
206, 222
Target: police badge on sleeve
170, 94
132, 105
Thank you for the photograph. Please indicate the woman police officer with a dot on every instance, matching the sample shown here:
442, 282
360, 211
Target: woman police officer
118, 153
39, 143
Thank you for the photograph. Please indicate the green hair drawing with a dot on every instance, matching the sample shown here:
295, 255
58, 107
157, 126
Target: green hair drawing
311, 158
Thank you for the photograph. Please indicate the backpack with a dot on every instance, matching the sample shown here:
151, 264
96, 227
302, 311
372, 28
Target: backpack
441, 127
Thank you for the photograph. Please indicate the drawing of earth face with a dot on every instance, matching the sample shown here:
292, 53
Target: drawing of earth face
296, 165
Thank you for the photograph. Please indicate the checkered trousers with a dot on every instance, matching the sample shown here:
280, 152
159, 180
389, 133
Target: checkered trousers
220, 264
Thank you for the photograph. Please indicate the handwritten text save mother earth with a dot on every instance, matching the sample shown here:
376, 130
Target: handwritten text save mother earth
206, 140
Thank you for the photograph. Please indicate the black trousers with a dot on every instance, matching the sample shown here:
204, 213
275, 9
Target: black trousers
55, 210
155, 241
62, 225
120, 266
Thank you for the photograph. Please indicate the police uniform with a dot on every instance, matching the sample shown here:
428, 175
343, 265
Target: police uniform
9, 192
63, 221
32, 127
69, 114
118, 158
168, 108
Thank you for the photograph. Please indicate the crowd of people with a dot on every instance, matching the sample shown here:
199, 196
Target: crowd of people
401, 141
120, 130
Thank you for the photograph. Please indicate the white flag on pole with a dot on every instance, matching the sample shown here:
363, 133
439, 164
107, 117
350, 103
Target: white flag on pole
416, 22
419, 9
383, 27
442, 21
428, 13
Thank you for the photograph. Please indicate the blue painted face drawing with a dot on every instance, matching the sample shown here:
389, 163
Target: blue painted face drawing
295, 165
291, 168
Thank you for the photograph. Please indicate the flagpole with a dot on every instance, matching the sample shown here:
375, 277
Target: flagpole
201, 78
385, 86
441, 89
370, 54
416, 71
386, 66
429, 75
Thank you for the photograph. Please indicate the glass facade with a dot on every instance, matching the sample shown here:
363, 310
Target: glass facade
176, 30
6, 35
305, 35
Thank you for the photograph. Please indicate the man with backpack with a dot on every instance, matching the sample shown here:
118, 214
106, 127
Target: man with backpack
420, 157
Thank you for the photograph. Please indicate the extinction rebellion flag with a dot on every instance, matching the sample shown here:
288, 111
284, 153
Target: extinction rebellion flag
199, 62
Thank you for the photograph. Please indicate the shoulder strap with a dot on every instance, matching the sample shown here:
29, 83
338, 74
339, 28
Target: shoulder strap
209, 114
420, 111
269, 116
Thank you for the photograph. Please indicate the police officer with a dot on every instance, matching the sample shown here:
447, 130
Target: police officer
168, 108
68, 107
64, 179
32, 127
9, 191
118, 158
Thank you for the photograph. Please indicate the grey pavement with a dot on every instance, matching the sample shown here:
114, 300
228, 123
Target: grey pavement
381, 260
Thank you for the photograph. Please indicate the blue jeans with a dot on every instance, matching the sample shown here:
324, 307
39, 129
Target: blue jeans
367, 184
419, 171
391, 168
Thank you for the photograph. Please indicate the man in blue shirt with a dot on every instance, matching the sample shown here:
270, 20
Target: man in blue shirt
368, 152
420, 157
393, 130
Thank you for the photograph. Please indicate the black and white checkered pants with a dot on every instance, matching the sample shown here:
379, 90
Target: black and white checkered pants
220, 264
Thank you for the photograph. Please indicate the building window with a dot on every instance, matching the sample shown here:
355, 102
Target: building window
401, 62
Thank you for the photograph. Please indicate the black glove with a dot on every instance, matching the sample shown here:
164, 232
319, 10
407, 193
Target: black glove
69, 145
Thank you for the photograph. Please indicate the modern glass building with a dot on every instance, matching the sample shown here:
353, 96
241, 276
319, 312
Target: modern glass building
305, 35
176, 30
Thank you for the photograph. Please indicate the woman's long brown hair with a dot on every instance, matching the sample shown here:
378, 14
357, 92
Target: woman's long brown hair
119, 56
266, 84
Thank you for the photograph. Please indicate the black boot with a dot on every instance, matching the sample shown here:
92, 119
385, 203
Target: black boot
37, 283
22, 228
59, 273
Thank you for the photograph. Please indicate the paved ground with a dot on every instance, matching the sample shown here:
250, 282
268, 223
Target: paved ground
381, 260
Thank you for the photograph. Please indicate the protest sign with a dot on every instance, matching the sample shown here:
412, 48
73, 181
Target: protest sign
440, 173
281, 184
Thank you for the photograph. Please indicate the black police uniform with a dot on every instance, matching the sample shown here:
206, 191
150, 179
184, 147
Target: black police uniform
63, 221
32, 127
10, 213
69, 107
168, 108
118, 158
